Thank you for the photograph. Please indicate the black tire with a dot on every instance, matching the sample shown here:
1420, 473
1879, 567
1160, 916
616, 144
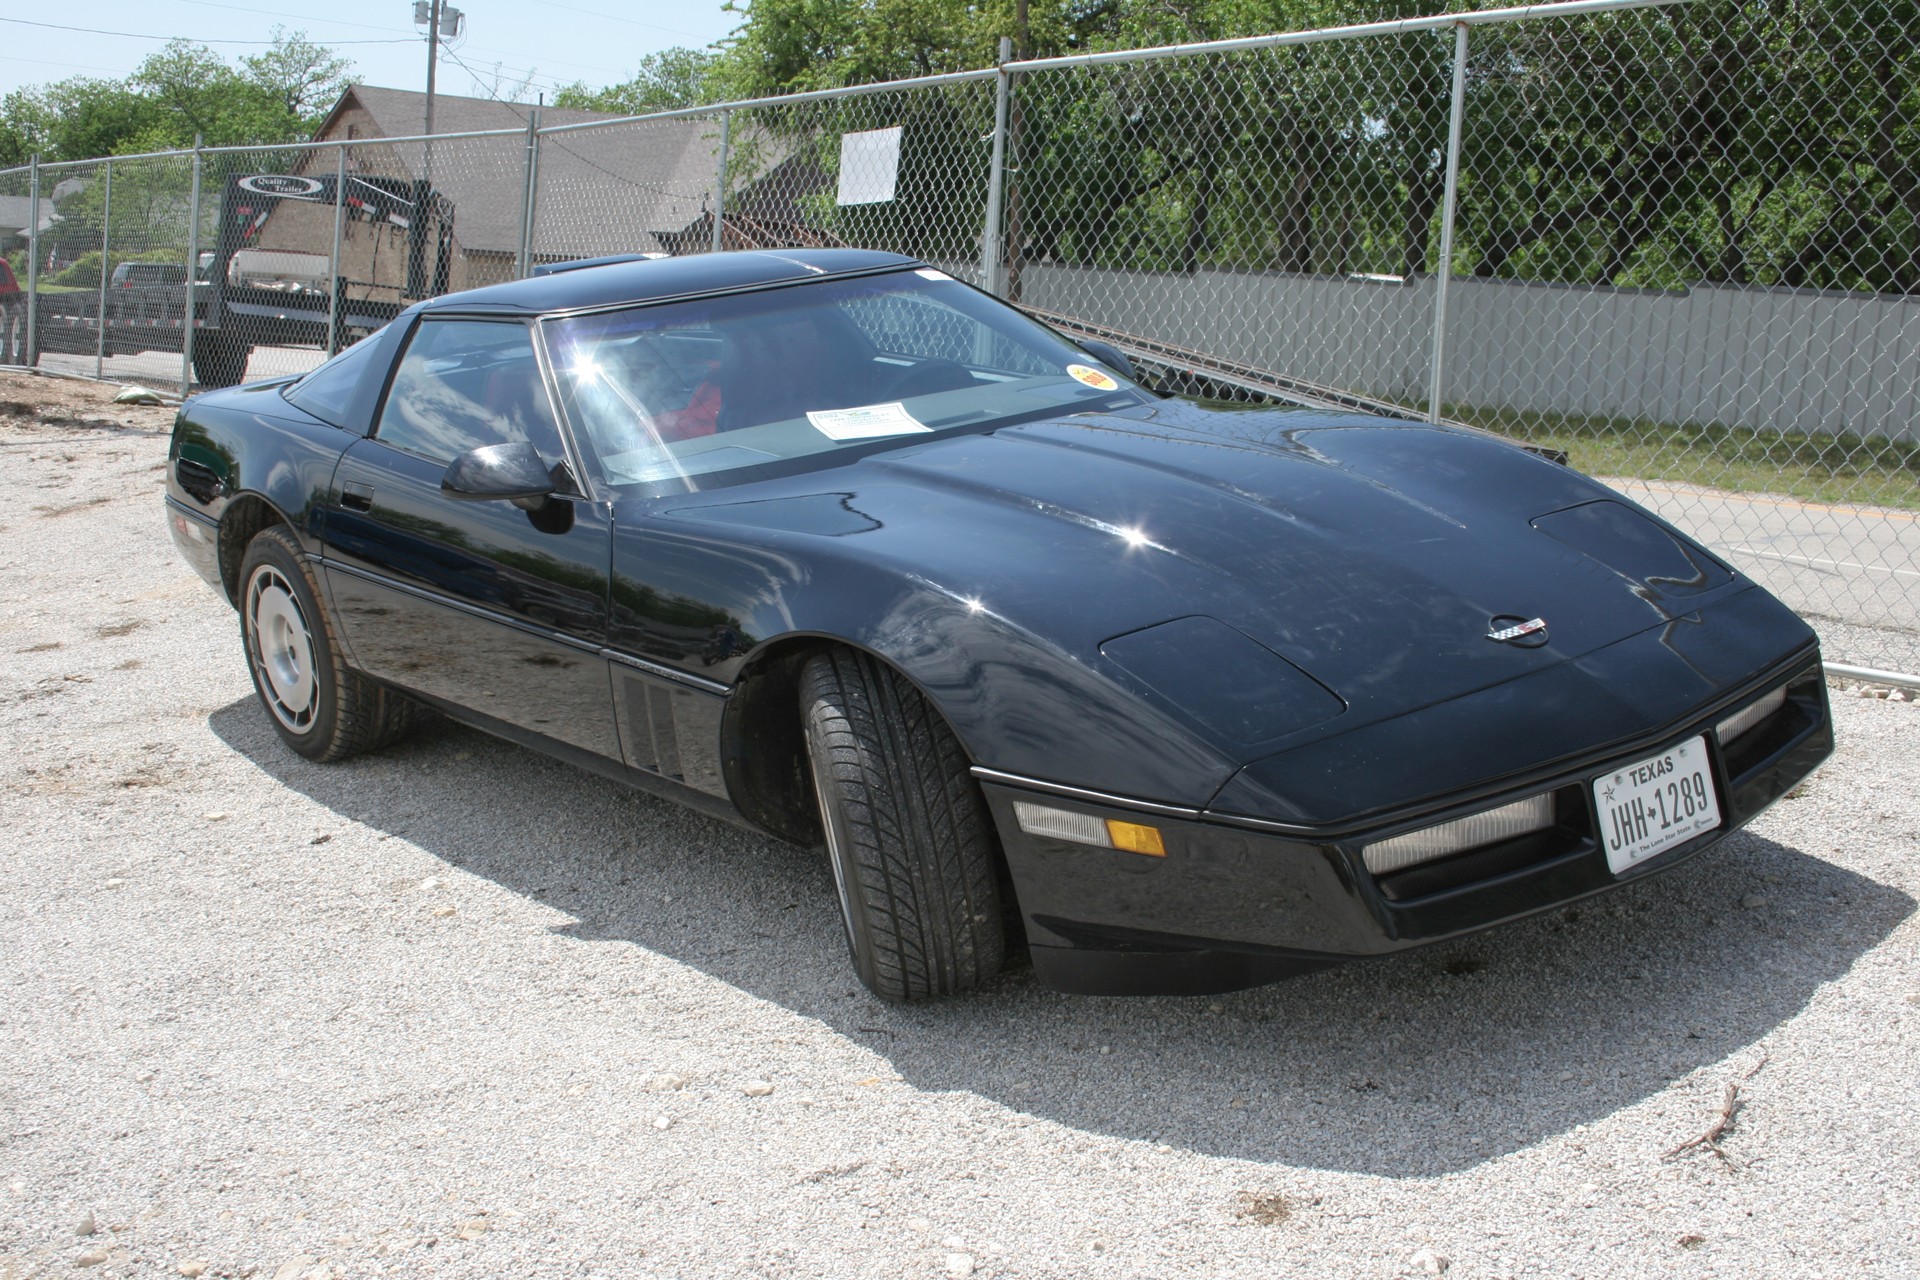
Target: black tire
219, 361
906, 830
320, 707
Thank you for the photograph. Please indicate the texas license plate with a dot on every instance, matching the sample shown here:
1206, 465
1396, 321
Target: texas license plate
1655, 803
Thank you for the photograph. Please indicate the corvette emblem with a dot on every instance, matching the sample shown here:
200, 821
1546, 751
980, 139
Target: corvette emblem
1511, 628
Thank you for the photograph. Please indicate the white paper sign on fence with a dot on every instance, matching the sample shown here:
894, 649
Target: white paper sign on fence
869, 166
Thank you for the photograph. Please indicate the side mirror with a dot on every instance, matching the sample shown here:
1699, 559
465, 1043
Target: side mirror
1109, 355
514, 472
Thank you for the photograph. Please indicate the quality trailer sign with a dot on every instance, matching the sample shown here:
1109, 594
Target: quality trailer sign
283, 185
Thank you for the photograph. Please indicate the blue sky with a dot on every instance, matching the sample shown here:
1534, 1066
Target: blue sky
554, 41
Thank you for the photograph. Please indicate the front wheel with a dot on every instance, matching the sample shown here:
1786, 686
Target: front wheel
907, 831
320, 707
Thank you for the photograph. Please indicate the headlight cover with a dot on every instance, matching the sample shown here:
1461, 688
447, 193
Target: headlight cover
1491, 826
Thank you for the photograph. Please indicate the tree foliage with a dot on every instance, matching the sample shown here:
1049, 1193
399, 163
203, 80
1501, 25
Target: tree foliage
1767, 142
278, 95
1739, 141
669, 79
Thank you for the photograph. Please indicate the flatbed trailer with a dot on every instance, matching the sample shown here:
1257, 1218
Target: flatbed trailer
231, 315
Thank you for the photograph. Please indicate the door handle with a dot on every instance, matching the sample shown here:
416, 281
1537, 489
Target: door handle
356, 497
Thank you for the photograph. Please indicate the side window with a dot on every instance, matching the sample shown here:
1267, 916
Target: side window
327, 391
467, 383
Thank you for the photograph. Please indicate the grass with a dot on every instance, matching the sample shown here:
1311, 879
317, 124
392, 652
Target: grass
1841, 470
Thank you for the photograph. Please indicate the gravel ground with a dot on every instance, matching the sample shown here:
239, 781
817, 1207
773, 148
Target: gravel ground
456, 1010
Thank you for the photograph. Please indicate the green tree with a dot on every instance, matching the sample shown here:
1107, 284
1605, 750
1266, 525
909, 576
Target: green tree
304, 78
278, 95
73, 119
1745, 143
669, 79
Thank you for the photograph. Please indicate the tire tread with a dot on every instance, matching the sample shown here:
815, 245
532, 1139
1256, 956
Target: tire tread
923, 877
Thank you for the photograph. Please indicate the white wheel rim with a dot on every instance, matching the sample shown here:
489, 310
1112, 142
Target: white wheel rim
280, 646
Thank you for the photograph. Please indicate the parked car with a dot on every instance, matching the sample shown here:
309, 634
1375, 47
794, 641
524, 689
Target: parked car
135, 275
13, 317
1184, 696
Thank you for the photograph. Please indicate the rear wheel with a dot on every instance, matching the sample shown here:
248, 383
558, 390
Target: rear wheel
320, 707
907, 831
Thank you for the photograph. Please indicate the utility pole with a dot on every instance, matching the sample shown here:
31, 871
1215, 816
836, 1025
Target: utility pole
1022, 49
440, 19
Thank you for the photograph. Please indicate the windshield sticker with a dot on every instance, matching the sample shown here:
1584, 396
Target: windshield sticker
869, 422
928, 273
1092, 377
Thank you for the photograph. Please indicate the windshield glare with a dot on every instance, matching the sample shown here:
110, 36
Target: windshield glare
688, 394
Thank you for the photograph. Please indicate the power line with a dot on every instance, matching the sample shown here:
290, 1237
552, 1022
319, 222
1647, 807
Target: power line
532, 73
651, 188
514, 53
135, 35
73, 66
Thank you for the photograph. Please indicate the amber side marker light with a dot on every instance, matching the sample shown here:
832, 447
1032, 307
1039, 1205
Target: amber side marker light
1085, 828
1135, 838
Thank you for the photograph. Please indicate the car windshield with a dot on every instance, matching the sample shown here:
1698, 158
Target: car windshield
691, 394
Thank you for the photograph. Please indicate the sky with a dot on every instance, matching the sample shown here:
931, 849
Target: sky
554, 42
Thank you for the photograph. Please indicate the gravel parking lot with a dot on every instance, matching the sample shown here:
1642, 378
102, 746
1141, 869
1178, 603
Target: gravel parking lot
456, 1010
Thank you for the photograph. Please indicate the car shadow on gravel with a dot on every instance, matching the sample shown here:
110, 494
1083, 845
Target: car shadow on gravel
1416, 1065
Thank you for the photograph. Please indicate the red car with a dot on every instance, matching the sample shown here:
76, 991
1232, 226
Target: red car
13, 316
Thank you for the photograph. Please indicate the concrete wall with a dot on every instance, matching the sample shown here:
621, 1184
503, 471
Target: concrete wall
1787, 359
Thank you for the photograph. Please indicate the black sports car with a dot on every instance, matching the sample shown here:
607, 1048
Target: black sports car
1187, 695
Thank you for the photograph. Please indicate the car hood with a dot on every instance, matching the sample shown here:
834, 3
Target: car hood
1370, 555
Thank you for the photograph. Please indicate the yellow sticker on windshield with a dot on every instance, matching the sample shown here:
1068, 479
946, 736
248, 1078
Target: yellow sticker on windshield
1092, 377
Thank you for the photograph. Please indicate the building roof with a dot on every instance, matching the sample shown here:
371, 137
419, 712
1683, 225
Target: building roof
601, 191
17, 211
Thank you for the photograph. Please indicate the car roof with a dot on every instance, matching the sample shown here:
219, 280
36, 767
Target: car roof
652, 281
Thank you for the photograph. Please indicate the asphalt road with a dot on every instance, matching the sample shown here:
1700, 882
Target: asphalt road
161, 369
1858, 567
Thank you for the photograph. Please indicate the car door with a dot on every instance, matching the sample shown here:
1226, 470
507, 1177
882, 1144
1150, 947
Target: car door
493, 606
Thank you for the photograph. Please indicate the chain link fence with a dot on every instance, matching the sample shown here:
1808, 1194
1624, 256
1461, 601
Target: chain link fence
1679, 242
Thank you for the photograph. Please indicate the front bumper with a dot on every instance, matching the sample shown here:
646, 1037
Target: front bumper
197, 538
1236, 902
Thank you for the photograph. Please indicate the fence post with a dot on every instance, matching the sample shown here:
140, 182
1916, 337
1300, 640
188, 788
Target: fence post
193, 275
100, 317
527, 202
1444, 271
31, 356
720, 184
338, 277
991, 277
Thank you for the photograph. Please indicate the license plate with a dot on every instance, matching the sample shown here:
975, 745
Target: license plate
1655, 803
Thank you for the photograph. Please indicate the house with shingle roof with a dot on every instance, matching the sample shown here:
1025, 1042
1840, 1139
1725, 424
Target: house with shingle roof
16, 213
625, 188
